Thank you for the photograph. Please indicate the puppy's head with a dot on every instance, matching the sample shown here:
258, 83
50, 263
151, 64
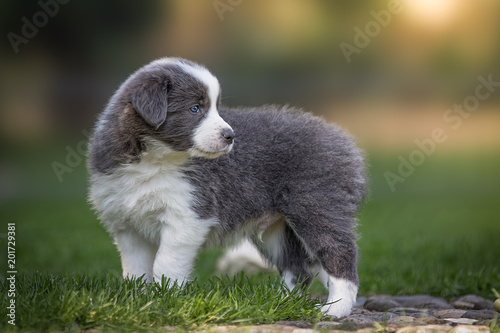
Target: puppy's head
177, 101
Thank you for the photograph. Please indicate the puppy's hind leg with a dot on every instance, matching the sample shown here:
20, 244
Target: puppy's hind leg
281, 247
137, 255
333, 244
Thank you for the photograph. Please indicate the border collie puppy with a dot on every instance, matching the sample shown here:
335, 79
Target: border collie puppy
172, 170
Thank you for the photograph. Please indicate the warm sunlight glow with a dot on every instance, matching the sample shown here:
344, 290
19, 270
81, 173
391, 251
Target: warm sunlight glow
432, 13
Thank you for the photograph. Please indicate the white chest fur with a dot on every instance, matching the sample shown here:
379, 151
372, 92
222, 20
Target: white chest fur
147, 195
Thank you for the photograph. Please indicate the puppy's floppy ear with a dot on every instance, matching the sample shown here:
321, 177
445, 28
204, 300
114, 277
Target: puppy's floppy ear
149, 99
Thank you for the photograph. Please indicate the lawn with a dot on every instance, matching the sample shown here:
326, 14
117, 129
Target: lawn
438, 234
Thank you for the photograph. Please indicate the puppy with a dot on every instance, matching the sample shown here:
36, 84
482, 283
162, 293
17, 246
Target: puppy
172, 170
242, 257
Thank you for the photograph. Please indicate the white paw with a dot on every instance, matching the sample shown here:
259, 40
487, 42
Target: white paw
339, 309
341, 298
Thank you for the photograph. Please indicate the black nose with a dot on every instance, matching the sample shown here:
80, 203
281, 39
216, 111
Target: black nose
228, 135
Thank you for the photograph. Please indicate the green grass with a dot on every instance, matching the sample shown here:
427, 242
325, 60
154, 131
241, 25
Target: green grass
82, 301
438, 234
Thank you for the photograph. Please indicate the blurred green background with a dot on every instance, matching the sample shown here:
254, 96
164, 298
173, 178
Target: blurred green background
438, 231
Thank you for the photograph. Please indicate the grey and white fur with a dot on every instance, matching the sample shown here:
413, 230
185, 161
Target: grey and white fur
172, 171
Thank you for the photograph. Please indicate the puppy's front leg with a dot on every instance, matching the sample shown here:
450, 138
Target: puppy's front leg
137, 254
176, 254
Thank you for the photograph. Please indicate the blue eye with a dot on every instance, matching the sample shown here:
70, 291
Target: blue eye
195, 109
